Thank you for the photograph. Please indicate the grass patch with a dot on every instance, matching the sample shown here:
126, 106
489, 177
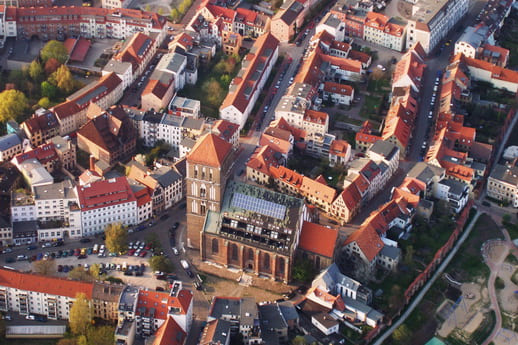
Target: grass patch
469, 265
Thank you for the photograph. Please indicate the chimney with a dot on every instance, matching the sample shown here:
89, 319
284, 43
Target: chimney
92, 163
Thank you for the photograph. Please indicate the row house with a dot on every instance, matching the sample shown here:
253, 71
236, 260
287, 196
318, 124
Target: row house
431, 22
331, 46
72, 113
353, 18
337, 93
106, 202
10, 146
385, 31
40, 127
164, 184
90, 22
227, 131
144, 201
258, 167
409, 69
245, 88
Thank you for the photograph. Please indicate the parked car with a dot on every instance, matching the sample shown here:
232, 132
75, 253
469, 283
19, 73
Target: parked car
85, 240
175, 251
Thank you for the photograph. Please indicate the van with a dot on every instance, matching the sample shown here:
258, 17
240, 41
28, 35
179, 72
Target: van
96, 248
124, 266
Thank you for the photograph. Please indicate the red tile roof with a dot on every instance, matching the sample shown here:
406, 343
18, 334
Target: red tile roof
287, 176
263, 158
135, 50
100, 194
162, 301
44, 153
360, 56
314, 116
381, 22
368, 240
410, 65
278, 144
243, 87
143, 197
497, 72
339, 148
226, 129
318, 190
44, 284
210, 150
170, 333
340, 89
318, 239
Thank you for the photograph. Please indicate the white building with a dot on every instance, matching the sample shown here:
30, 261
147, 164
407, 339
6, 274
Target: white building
472, 38
175, 64
182, 106
503, 183
170, 130
332, 25
432, 21
106, 202
248, 84
454, 192
23, 207
325, 323
386, 152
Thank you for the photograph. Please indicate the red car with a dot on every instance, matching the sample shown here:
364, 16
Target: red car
77, 251
148, 246
143, 254
131, 252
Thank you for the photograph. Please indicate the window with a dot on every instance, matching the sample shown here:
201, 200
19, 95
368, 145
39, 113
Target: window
266, 261
250, 254
233, 250
215, 246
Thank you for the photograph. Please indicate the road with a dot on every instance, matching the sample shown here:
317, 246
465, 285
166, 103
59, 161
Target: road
415, 302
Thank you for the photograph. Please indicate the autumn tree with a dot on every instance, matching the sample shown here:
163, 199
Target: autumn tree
116, 238
402, 335
175, 15
36, 71
44, 102
13, 104
79, 273
64, 79
160, 263
54, 49
213, 91
80, 314
45, 267
101, 335
67, 341
95, 271
51, 66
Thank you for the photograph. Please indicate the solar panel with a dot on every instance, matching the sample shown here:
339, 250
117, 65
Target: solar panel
266, 208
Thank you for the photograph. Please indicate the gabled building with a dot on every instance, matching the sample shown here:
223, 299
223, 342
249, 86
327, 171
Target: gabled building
385, 31
262, 160
10, 146
109, 137
317, 244
137, 51
40, 127
287, 20
409, 69
503, 183
247, 85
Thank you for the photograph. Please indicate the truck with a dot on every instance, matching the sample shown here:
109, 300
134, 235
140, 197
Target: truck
184, 264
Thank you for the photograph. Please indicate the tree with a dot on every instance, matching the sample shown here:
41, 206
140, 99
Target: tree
182, 8
299, 340
79, 273
36, 71
402, 334
303, 270
13, 104
54, 49
396, 297
48, 90
116, 238
80, 314
44, 102
409, 256
160, 263
51, 66
214, 92
160, 11
102, 335
95, 271
45, 267
64, 79
16, 77
175, 15
67, 341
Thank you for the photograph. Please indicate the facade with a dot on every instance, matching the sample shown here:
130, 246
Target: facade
231, 42
432, 21
10, 146
208, 168
106, 202
339, 153
40, 127
385, 31
317, 244
287, 20
503, 183
248, 84
233, 237
337, 93
72, 113
109, 137
66, 151
455, 193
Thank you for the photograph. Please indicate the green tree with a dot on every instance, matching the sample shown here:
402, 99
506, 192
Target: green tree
79, 273
160, 11
116, 238
182, 8
303, 270
175, 15
213, 91
45, 267
13, 104
409, 256
402, 335
54, 49
80, 314
101, 335
48, 90
160, 263
299, 340
64, 79
16, 77
36, 71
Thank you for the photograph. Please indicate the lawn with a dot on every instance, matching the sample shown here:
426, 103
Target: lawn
469, 265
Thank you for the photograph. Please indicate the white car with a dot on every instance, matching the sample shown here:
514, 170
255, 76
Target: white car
175, 251
381, 67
